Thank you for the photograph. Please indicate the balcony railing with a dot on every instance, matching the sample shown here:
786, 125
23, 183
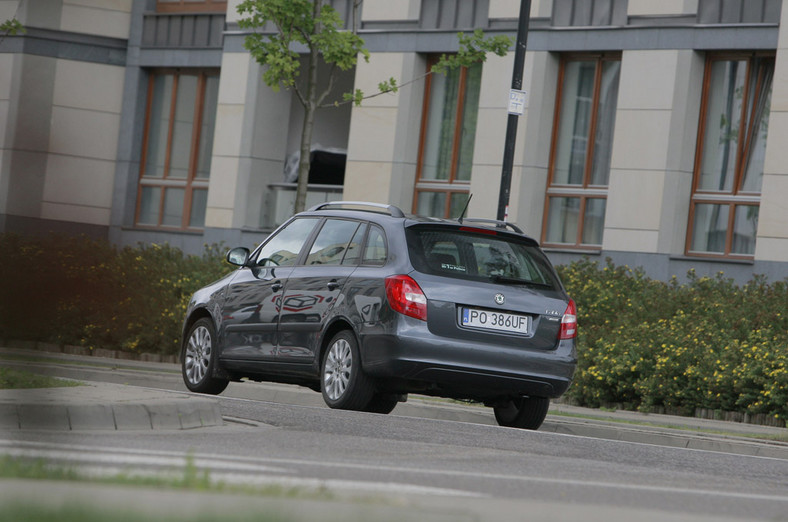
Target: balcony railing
281, 200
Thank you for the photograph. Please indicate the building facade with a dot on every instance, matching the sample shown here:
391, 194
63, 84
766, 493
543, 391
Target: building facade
653, 132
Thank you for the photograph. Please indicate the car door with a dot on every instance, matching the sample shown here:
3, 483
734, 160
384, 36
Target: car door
313, 288
250, 315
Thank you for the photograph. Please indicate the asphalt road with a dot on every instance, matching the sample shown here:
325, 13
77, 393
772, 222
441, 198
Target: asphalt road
421, 469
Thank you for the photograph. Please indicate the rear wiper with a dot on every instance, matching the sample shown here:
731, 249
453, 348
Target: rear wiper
515, 281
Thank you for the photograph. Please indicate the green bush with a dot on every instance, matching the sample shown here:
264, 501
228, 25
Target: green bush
84, 292
708, 343
642, 344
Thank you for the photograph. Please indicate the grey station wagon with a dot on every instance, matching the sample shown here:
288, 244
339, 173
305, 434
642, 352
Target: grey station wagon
366, 304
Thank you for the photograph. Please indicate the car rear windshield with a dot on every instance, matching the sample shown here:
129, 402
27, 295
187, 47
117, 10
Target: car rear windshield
479, 254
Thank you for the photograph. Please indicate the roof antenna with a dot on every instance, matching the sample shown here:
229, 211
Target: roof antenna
464, 209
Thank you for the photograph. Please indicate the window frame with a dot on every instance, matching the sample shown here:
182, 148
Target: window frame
451, 185
735, 197
190, 183
587, 190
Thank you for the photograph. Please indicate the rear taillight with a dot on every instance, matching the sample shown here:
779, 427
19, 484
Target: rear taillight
569, 322
405, 296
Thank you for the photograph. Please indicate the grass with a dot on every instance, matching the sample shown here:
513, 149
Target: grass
190, 478
11, 379
19, 512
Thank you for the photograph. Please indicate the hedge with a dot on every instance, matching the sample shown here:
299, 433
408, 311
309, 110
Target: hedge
89, 293
642, 344
706, 344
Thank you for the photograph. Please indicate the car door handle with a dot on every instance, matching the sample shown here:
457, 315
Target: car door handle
333, 285
276, 286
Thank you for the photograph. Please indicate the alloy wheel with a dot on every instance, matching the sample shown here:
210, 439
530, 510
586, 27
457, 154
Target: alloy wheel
198, 355
337, 369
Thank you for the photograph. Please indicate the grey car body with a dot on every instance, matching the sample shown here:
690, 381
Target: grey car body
328, 301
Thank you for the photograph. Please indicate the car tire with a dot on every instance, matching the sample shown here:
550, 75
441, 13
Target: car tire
198, 358
383, 403
522, 412
342, 381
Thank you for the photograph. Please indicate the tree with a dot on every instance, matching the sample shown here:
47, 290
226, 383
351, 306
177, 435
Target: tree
319, 28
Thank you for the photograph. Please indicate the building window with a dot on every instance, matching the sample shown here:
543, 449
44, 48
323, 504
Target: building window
448, 131
177, 145
580, 153
191, 6
726, 190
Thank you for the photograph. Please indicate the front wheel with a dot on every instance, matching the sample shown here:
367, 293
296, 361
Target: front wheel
522, 412
342, 381
198, 357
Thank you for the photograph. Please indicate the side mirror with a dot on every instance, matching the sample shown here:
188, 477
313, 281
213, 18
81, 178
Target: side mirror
238, 256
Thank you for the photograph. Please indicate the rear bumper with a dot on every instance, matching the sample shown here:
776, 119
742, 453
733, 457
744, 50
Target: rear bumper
414, 360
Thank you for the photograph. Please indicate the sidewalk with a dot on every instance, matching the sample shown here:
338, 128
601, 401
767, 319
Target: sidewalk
105, 406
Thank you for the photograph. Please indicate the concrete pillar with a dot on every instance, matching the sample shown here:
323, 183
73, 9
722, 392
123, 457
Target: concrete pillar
772, 240
28, 108
653, 151
249, 144
384, 132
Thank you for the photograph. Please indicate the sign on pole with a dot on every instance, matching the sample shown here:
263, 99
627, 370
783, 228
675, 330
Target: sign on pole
516, 102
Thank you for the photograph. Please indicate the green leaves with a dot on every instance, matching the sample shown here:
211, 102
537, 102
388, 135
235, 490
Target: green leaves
286, 25
12, 27
356, 97
95, 295
708, 343
474, 48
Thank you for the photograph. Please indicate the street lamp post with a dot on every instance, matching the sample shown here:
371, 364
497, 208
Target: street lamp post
511, 124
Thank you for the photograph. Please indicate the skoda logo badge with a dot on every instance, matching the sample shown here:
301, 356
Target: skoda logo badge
499, 299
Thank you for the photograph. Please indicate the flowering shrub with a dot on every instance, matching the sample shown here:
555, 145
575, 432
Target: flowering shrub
90, 293
708, 343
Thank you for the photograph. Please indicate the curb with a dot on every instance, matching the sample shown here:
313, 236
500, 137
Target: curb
98, 406
667, 437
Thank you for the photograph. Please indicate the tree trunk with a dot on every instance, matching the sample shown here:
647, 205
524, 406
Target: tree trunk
303, 162
309, 121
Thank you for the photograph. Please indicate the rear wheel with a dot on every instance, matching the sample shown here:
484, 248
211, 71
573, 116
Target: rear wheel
198, 358
383, 403
342, 381
522, 412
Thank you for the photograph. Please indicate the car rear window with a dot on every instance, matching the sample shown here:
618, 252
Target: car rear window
479, 254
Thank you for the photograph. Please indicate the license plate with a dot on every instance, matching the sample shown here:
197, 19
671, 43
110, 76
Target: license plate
499, 321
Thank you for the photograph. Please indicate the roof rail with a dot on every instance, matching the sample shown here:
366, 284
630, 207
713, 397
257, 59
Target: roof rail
391, 209
497, 223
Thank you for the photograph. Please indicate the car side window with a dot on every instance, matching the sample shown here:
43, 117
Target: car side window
353, 252
284, 247
375, 252
332, 242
